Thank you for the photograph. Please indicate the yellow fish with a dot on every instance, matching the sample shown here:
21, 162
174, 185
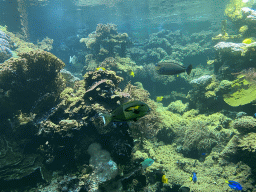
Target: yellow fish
132, 73
164, 179
247, 41
159, 98
100, 69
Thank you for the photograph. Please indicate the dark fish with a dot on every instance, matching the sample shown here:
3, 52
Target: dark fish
171, 68
132, 110
184, 189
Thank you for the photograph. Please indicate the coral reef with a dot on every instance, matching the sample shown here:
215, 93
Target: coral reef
166, 44
147, 126
103, 41
245, 124
248, 142
104, 168
241, 91
18, 45
5, 51
30, 80
204, 95
178, 107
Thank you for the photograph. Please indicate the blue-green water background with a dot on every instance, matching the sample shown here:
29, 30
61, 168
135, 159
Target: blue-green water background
66, 22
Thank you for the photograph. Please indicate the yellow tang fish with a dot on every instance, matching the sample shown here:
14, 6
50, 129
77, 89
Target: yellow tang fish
159, 98
247, 41
164, 179
132, 73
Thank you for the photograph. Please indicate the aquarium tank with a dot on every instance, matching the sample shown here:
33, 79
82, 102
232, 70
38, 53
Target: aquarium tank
127, 95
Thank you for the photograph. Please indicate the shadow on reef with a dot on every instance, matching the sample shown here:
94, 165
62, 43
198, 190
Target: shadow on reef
24, 183
118, 142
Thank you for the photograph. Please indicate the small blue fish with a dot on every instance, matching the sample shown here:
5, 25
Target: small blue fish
147, 162
193, 178
204, 154
234, 185
254, 115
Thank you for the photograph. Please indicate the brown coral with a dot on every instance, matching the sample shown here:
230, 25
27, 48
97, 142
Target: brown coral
248, 142
104, 40
245, 124
31, 78
101, 86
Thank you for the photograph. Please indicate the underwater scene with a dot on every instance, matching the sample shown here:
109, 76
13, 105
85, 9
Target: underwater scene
127, 95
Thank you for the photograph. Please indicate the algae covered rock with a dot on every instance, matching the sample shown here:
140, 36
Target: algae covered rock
201, 81
30, 78
229, 47
248, 142
245, 124
178, 107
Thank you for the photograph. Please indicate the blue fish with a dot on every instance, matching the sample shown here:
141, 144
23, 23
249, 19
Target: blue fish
147, 162
193, 178
254, 115
234, 185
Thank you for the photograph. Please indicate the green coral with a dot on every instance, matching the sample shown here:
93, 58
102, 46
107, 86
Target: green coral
233, 10
178, 107
242, 92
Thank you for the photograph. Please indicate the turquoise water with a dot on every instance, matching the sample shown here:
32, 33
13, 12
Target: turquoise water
69, 67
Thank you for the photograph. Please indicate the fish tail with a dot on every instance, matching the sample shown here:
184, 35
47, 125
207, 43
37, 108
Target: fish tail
107, 118
189, 69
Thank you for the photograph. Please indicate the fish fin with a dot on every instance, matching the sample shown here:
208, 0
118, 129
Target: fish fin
226, 181
189, 69
107, 118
